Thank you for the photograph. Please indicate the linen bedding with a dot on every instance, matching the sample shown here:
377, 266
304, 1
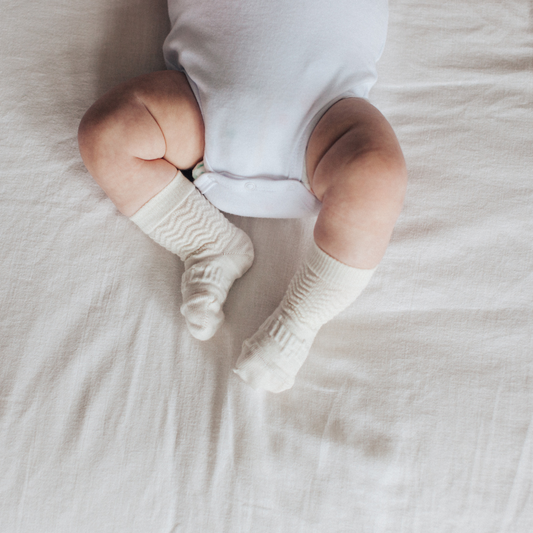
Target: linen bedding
414, 410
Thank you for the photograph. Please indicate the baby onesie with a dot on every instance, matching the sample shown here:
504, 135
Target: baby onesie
264, 72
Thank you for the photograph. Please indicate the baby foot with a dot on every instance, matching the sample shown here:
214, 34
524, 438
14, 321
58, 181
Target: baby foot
321, 288
272, 357
206, 282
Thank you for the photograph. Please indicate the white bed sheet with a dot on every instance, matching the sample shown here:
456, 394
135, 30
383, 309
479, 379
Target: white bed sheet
414, 411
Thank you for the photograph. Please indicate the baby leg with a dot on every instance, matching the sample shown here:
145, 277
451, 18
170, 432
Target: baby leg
356, 168
133, 141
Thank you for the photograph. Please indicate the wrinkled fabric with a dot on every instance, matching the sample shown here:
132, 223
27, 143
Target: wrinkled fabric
414, 410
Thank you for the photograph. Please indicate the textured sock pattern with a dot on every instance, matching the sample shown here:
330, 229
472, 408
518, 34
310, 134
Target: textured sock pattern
215, 252
196, 228
322, 288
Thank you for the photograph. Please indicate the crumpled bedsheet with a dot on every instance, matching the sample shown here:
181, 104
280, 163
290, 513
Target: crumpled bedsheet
413, 413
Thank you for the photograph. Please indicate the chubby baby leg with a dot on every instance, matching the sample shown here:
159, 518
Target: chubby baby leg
133, 141
357, 170
135, 136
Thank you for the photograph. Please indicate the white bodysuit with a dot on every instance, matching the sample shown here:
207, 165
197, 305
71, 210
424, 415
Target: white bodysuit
264, 72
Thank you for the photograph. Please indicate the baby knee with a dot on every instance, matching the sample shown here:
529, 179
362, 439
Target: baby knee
95, 132
117, 130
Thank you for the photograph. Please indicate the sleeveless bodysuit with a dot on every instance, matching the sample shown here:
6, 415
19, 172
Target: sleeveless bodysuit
263, 73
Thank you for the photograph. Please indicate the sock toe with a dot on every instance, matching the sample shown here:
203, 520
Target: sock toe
259, 374
207, 280
203, 315
272, 357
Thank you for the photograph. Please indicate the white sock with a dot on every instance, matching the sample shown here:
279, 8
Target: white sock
321, 289
215, 252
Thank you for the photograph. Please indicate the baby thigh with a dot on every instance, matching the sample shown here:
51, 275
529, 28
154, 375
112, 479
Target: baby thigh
136, 136
357, 170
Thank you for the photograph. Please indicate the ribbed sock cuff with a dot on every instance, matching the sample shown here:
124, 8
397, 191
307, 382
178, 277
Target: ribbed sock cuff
151, 214
333, 271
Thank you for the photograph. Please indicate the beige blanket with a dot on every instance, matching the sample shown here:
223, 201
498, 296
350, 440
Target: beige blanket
413, 413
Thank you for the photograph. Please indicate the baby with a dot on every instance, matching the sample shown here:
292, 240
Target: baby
268, 102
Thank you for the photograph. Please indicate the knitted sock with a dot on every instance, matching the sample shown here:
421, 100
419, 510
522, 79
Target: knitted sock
214, 251
320, 289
